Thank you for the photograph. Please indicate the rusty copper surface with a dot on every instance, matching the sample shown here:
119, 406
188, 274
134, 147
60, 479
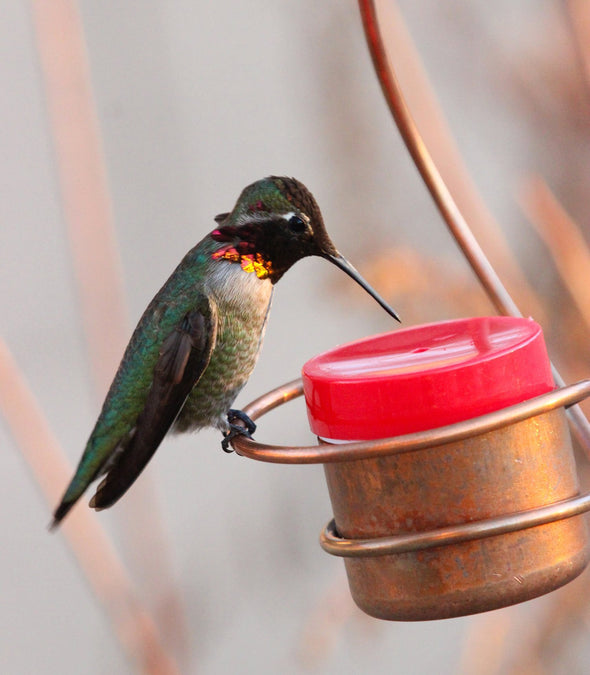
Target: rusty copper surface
516, 468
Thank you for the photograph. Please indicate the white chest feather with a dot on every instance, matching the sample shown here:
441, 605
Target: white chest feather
242, 301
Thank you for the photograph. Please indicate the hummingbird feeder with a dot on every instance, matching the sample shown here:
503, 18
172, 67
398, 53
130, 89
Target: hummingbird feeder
449, 466
446, 447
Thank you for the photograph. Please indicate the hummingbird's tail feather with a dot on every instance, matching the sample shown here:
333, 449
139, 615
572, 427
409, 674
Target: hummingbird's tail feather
85, 474
124, 472
61, 512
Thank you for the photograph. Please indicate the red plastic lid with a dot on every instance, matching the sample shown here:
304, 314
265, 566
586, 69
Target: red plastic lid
424, 377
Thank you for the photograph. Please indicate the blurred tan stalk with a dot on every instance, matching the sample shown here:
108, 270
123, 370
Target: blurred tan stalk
132, 624
325, 622
578, 14
484, 645
563, 238
89, 217
437, 141
83, 182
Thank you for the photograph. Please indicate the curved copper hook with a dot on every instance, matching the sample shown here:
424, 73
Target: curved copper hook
443, 199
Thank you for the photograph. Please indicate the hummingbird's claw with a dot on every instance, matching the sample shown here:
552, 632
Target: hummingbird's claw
239, 425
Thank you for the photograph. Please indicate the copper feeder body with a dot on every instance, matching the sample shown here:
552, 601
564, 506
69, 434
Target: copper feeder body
516, 468
463, 519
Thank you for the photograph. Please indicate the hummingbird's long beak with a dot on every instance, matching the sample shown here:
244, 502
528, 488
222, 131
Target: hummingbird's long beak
341, 262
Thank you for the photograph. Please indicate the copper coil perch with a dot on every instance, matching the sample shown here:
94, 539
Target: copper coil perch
407, 558
418, 541
321, 454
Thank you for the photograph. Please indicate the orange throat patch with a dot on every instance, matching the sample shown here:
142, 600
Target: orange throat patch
250, 262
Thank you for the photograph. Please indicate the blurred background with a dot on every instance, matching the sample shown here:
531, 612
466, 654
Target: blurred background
182, 104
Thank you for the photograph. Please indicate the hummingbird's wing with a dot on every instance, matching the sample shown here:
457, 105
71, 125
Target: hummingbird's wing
184, 355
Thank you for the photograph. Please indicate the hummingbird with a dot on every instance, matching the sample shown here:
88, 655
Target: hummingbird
198, 341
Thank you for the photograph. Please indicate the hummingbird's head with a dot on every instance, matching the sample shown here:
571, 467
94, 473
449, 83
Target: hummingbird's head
276, 222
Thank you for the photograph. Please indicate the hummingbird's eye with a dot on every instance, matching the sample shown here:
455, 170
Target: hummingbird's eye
297, 225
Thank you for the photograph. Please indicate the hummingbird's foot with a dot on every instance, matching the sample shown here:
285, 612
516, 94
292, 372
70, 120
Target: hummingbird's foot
239, 425
246, 428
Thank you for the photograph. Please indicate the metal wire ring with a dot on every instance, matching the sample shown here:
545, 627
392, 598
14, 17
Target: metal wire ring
346, 452
331, 542
334, 544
